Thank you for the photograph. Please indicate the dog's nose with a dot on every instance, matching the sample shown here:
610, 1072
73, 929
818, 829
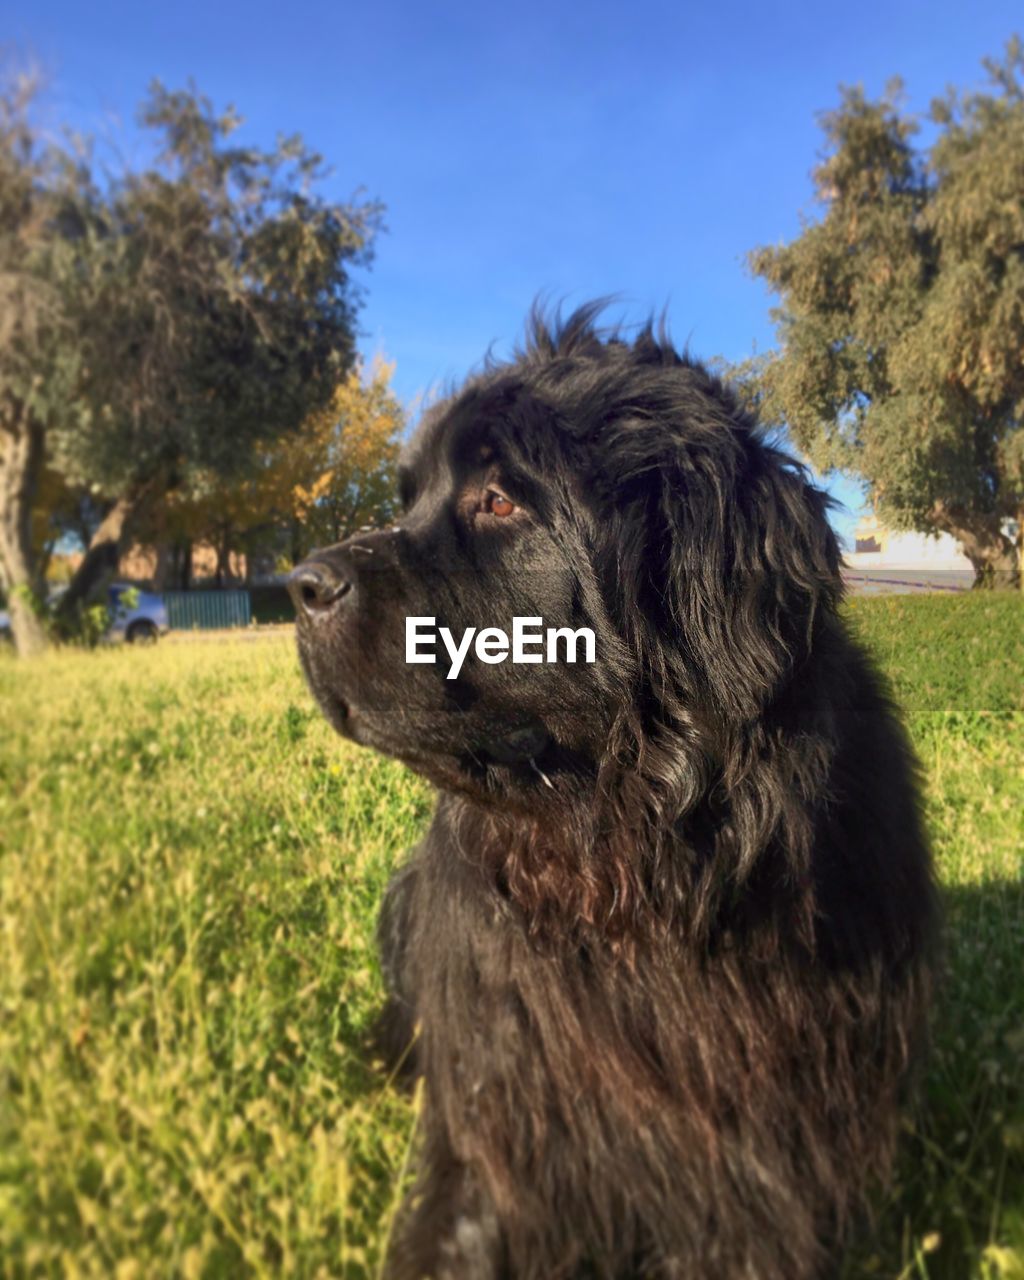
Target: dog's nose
316, 587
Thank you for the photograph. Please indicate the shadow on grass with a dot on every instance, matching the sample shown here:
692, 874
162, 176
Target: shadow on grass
957, 1207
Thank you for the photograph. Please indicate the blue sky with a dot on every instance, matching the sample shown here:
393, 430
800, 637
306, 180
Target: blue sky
571, 149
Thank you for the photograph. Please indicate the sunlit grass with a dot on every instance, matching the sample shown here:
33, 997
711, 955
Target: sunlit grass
190, 871
190, 867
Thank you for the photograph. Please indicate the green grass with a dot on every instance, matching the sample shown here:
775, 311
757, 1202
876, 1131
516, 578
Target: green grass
190, 866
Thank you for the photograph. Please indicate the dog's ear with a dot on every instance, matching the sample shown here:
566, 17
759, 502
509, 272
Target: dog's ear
726, 549
753, 569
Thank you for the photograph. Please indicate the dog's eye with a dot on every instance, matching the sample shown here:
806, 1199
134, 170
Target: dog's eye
494, 503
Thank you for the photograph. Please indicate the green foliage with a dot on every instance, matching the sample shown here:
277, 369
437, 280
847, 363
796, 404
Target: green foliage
214, 305
190, 868
902, 311
313, 487
158, 331
85, 626
40, 184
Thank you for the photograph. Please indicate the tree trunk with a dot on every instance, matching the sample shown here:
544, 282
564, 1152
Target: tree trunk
161, 549
21, 458
223, 571
164, 566
993, 556
104, 552
185, 549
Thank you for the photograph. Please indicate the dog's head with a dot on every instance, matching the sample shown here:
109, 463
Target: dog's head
594, 485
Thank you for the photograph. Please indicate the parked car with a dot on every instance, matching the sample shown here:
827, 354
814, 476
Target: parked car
137, 617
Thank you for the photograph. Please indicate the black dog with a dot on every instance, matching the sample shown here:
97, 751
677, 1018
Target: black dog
666, 941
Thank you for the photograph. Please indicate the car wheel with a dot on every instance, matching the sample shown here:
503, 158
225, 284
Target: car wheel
142, 633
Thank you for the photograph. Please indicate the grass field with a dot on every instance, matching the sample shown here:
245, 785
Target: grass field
190, 866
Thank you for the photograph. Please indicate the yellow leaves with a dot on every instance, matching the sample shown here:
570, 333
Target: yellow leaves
338, 472
339, 462
341, 450
305, 497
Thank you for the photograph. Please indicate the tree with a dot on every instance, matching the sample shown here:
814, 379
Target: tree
39, 364
356, 444
207, 310
901, 323
315, 486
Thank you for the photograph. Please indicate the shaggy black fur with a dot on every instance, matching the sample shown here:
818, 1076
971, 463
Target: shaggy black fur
666, 941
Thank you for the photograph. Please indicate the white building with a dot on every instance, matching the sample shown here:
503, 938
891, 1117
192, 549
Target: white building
876, 547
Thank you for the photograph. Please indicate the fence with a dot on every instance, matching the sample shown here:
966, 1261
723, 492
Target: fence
207, 610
